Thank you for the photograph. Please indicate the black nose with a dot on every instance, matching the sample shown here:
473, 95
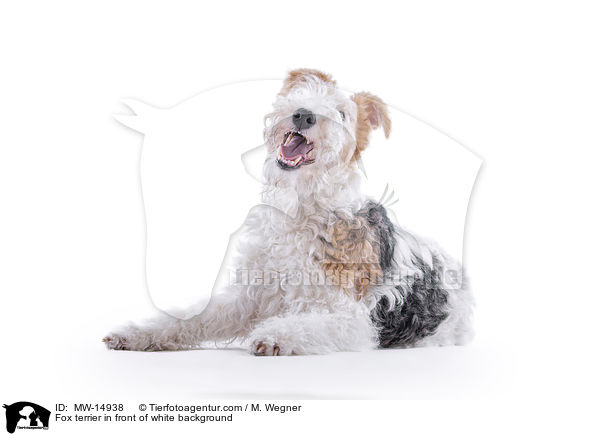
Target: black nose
304, 119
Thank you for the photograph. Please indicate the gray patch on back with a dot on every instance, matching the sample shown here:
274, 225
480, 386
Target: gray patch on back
424, 307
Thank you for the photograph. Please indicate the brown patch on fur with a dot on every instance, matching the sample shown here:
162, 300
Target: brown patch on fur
300, 75
351, 256
372, 113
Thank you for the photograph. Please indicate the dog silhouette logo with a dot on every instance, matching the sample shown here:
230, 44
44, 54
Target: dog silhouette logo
26, 415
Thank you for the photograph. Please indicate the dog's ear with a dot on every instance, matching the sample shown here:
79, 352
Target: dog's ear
372, 113
302, 75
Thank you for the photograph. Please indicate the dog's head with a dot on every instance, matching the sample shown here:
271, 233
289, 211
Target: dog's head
315, 128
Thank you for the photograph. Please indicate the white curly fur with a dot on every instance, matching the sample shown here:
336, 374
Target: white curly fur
283, 317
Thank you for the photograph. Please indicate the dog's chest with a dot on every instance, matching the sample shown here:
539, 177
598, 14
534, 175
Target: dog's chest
297, 246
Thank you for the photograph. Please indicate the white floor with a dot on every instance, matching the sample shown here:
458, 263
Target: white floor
434, 373
501, 383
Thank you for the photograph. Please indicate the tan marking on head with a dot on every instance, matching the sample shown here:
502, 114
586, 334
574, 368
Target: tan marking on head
372, 113
351, 256
300, 75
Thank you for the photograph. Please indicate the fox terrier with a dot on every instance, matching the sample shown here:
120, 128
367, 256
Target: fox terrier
336, 274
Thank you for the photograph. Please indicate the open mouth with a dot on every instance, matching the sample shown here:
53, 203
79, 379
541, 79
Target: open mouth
294, 151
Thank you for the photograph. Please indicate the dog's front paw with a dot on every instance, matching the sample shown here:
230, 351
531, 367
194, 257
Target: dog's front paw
130, 338
116, 341
269, 348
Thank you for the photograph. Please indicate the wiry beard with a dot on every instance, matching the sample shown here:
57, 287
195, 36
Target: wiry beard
293, 191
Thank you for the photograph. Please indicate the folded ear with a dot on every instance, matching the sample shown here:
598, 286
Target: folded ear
372, 113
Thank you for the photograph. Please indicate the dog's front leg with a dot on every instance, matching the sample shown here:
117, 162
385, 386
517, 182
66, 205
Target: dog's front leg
313, 333
227, 316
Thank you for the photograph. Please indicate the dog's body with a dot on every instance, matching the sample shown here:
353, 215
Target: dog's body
320, 267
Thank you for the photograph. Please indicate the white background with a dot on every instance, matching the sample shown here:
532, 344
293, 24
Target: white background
516, 82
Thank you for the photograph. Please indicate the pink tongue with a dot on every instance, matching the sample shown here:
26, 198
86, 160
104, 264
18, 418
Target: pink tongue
295, 146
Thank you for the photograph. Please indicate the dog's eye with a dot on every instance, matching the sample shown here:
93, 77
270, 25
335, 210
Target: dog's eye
343, 115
